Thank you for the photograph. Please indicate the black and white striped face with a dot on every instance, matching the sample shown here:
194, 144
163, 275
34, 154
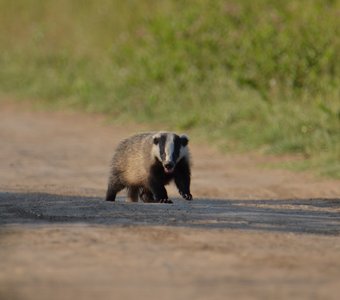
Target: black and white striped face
169, 149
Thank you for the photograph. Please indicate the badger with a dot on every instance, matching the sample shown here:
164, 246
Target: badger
146, 162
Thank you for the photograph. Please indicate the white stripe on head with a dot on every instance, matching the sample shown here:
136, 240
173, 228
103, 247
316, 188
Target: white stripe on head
169, 147
155, 151
183, 152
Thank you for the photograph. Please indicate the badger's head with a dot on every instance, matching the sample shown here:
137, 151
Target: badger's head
169, 149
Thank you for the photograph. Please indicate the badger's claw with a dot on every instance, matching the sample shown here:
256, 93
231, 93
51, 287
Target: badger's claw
165, 201
186, 196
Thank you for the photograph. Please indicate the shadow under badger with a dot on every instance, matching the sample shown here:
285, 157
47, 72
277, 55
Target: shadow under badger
146, 162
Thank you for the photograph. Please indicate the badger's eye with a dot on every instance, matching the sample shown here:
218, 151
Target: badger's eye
156, 140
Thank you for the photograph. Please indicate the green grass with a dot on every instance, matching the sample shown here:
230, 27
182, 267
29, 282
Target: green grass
261, 75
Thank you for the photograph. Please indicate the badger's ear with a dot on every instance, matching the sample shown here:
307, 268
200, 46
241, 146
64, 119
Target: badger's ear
184, 140
156, 138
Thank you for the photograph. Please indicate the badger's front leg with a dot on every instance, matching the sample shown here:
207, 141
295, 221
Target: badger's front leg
159, 192
182, 180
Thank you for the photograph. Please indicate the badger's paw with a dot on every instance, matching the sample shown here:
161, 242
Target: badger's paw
165, 201
186, 196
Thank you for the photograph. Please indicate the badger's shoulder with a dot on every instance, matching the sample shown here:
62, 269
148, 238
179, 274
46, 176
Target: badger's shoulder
134, 143
133, 154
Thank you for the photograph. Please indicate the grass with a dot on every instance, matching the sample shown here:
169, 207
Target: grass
261, 75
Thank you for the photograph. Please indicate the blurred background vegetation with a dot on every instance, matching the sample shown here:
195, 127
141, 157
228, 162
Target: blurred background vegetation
249, 75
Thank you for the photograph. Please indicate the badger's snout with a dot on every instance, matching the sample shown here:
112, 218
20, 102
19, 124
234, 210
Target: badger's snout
169, 166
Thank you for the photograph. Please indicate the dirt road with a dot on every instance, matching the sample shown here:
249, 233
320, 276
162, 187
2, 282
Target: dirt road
251, 232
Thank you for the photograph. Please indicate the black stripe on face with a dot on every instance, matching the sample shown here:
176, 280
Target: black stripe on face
177, 148
162, 141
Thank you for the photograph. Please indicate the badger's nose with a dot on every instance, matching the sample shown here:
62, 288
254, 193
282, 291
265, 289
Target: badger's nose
169, 165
